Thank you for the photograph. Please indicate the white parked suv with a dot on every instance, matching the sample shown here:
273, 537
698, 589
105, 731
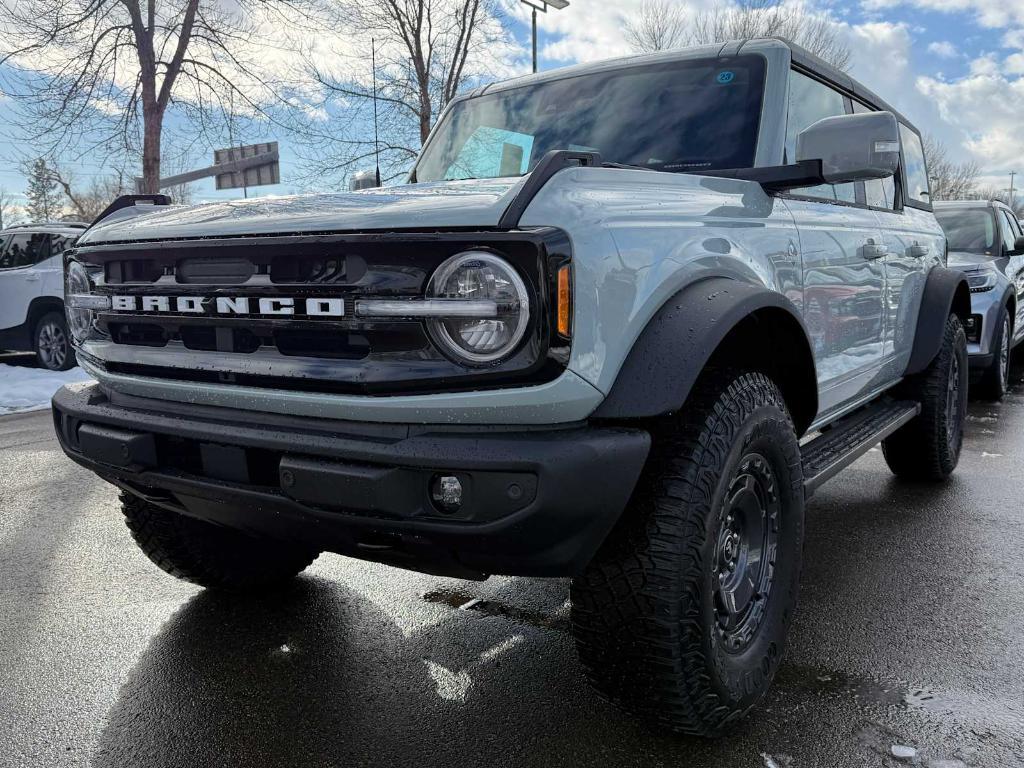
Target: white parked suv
32, 291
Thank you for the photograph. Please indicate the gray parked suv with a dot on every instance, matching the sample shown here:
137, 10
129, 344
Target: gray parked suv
985, 242
621, 322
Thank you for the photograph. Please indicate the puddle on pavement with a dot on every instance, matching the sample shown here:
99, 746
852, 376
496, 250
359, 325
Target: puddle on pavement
872, 694
464, 601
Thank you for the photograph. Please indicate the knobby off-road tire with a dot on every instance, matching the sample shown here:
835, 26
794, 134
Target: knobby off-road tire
995, 381
928, 447
210, 555
51, 343
649, 615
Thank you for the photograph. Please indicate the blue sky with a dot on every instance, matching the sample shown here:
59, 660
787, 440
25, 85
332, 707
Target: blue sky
955, 67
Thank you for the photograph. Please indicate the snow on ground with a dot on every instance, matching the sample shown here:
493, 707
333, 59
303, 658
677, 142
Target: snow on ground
29, 389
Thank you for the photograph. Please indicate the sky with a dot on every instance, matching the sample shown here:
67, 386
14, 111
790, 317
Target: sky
954, 67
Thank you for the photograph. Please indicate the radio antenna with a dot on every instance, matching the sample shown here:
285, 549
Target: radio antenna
376, 136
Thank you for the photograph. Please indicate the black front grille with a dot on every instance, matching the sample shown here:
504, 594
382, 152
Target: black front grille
347, 352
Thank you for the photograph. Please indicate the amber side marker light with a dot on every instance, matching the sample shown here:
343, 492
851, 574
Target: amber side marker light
564, 302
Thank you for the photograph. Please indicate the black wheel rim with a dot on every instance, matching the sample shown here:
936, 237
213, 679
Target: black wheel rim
953, 395
745, 547
1004, 355
53, 345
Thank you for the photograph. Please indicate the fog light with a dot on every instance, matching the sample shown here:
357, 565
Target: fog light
446, 491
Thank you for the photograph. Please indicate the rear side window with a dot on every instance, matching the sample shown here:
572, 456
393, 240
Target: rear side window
59, 244
24, 250
809, 102
917, 191
1006, 229
1014, 223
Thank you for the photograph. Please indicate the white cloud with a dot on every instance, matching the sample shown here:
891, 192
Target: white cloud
943, 49
988, 110
1014, 64
987, 13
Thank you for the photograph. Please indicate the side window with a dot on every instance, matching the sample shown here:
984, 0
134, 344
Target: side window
24, 250
809, 102
59, 244
880, 193
916, 190
1005, 229
1014, 224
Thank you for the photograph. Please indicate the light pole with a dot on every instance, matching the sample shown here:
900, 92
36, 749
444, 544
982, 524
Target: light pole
542, 6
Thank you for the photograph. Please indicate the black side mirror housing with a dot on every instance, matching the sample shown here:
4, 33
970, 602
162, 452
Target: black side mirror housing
1018, 246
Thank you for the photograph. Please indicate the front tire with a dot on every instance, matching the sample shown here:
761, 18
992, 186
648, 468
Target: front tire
210, 555
682, 617
995, 381
52, 344
928, 447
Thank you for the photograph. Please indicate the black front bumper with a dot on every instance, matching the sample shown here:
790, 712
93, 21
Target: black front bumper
536, 502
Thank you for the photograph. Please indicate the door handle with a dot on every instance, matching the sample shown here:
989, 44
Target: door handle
32, 276
873, 250
917, 251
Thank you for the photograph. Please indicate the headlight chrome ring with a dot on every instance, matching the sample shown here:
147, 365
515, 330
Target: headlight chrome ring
480, 276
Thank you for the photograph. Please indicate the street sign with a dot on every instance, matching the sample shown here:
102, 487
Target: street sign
251, 165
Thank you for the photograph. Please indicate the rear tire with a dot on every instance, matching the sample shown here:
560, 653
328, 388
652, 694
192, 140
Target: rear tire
995, 381
52, 344
928, 447
676, 620
210, 555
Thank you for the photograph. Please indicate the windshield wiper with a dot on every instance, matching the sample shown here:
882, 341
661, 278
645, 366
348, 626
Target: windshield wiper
625, 166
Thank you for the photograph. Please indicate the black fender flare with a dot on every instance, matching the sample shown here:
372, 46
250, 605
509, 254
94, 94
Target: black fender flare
945, 292
679, 340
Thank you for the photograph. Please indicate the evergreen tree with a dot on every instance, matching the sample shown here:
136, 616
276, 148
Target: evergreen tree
44, 200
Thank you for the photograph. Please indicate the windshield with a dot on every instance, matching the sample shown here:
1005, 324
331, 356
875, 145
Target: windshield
968, 229
683, 116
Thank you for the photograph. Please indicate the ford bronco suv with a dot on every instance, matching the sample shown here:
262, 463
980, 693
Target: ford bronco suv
618, 326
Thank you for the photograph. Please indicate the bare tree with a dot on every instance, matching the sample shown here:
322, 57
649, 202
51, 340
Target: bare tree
950, 180
8, 209
658, 26
662, 24
1002, 195
426, 52
105, 72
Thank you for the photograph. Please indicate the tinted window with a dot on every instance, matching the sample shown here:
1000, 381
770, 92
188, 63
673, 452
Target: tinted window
917, 190
1006, 229
684, 116
60, 243
879, 193
24, 250
809, 102
968, 229
1015, 223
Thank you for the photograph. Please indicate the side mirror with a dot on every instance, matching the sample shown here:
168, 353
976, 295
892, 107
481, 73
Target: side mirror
852, 147
363, 180
1018, 247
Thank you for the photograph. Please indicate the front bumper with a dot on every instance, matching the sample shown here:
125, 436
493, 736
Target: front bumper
536, 501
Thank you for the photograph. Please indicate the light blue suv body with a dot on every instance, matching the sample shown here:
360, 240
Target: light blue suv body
587, 339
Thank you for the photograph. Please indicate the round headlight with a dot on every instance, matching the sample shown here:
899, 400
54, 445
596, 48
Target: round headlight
481, 278
77, 283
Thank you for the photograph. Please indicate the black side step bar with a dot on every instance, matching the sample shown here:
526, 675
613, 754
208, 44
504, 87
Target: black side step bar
851, 437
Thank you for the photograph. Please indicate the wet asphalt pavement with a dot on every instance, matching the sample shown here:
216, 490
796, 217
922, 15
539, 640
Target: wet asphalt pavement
910, 631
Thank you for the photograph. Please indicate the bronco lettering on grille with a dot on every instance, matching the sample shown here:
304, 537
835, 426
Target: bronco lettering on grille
230, 305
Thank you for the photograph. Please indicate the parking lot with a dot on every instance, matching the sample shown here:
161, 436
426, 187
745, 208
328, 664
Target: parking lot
910, 632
